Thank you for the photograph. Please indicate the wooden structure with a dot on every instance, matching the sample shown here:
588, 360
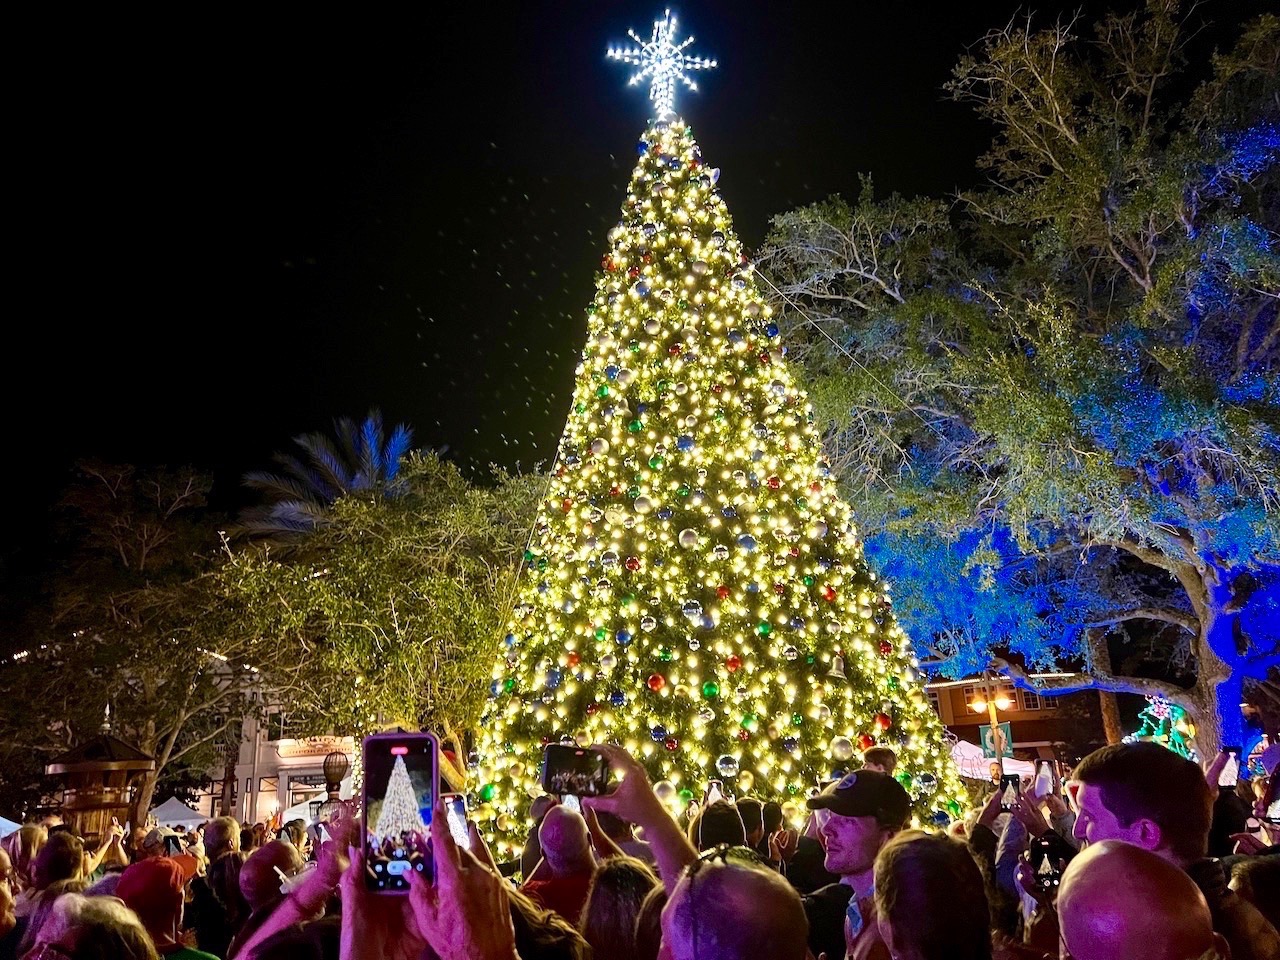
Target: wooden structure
98, 782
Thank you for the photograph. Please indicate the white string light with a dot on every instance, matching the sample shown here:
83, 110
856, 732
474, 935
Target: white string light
662, 62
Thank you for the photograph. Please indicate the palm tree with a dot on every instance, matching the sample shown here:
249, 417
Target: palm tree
297, 497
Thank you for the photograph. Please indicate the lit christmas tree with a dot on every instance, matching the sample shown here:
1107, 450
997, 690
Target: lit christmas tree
695, 588
399, 813
1164, 722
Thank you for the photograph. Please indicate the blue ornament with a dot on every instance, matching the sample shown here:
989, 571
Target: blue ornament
664, 513
728, 512
674, 163
611, 372
553, 678
617, 698
735, 336
789, 744
641, 408
771, 330
753, 587
658, 733
568, 606
747, 542
797, 623
708, 623
756, 457
685, 442
939, 818
642, 289
509, 639
623, 637
642, 148
495, 688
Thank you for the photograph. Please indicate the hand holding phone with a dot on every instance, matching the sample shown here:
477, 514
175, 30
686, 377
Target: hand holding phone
401, 783
572, 770
1010, 790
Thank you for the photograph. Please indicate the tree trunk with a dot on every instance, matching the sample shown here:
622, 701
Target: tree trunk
143, 791
1101, 655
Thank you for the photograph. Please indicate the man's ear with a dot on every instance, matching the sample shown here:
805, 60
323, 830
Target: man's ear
1147, 834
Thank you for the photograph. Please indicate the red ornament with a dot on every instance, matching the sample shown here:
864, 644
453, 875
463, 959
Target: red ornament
671, 743
545, 741
886, 648
593, 709
717, 388
764, 356
794, 551
733, 663
722, 592
828, 593
774, 483
674, 349
608, 263
815, 487
573, 659
615, 491
779, 588
866, 741
882, 722
632, 563
566, 504
647, 258
744, 734
656, 682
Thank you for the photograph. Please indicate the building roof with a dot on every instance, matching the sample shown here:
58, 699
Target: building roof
104, 752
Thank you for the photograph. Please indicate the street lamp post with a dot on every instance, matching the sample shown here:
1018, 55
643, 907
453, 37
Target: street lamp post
989, 702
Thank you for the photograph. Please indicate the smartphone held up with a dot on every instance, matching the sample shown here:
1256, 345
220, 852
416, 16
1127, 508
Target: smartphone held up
568, 770
401, 783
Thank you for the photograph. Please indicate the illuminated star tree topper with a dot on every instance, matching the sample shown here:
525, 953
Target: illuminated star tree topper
662, 62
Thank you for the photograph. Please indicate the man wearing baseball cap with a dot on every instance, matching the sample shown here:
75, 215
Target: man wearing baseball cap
153, 889
856, 816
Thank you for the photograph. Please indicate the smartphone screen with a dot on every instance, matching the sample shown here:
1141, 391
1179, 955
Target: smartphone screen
572, 770
455, 805
570, 802
401, 780
1010, 789
1230, 770
1048, 872
715, 792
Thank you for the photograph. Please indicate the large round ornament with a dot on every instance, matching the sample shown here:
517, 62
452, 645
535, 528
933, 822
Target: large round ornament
689, 538
841, 748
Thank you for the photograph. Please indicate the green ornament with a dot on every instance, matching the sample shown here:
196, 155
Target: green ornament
811, 659
893, 683
509, 684
633, 492
634, 346
580, 407
528, 556
763, 628
750, 721
664, 655
954, 807
602, 634
710, 689
635, 426
655, 462
802, 503
592, 308
793, 789
807, 580
684, 490
686, 795
662, 386
487, 792
602, 390
542, 563
797, 720
903, 778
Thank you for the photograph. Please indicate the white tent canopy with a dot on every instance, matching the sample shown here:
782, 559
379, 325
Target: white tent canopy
971, 763
174, 813
7, 826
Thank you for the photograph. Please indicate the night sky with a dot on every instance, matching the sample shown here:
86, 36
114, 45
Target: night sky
235, 226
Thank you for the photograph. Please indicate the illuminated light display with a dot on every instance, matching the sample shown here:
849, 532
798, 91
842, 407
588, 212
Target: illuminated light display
695, 588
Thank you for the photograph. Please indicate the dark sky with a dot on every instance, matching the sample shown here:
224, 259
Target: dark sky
235, 225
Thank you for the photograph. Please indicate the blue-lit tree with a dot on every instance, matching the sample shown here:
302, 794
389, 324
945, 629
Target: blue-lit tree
1056, 401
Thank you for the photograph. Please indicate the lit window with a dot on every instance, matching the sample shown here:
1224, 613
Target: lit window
1030, 700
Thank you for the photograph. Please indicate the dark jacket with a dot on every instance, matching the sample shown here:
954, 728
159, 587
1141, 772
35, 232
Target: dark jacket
1246, 930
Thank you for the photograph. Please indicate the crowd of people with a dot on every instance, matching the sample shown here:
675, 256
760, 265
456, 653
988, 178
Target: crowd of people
1140, 855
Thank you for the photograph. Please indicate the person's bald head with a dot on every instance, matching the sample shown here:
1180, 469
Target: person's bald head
259, 882
566, 845
739, 911
1118, 900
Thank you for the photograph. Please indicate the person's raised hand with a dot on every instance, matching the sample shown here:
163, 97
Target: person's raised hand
990, 811
1027, 812
1057, 806
1213, 772
1024, 875
783, 845
465, 914
632, 797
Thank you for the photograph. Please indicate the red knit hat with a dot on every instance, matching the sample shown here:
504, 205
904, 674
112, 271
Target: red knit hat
152, 889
